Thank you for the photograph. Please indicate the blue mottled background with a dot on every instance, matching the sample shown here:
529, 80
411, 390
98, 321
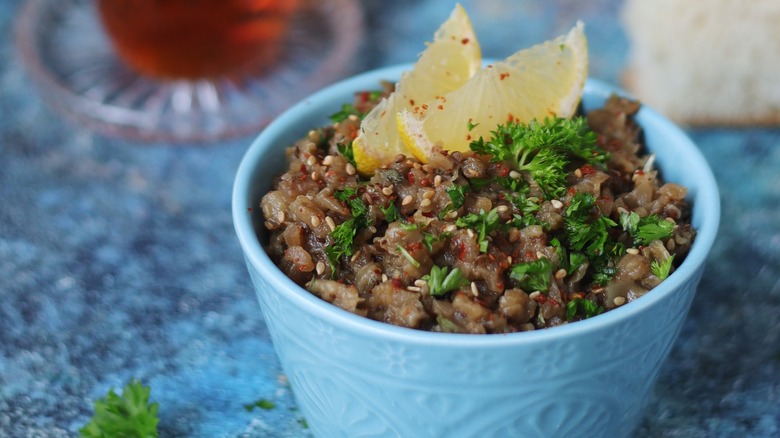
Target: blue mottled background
118, 260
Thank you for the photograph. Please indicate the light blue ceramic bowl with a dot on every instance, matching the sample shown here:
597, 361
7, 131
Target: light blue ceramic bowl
352, 376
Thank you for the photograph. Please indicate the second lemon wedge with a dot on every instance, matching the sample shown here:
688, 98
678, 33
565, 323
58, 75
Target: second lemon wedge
545, 80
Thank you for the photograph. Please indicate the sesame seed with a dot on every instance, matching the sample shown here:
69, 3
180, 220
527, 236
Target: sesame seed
469, 232
670, 244
428, 194
420, 283
474, 290
387, 191
578, 173
540, 255
668, 219
413, 288
280, 217
556, 203
534, 294
619, 301
384, 277
327, 160
560, 273
502, 209
353, 117
315, 176
330, 222
425, 203
622, 210
632, 251
451, 215
315, 221
450, 228
312, 160
527, 327
437, 181
417, 165
426, 167
509, 259
407, 200
354, 257
312, 133
350, 169
514, 174
320, 268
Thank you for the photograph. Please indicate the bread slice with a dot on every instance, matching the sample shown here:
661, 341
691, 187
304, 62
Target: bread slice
705, 62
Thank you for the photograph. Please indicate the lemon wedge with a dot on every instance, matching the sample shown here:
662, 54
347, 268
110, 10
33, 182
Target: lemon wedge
545, 80
447, 63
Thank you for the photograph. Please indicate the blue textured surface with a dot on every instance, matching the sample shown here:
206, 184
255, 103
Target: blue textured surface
119, 260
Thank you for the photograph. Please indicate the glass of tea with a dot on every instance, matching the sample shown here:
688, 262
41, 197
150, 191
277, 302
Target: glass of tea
185, 71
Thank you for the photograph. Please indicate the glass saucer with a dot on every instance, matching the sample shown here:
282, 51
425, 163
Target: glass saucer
63, 45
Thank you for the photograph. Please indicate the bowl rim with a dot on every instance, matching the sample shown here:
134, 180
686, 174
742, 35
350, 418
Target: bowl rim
709, 200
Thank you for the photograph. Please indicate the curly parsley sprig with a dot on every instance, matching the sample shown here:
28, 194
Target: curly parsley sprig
543, 149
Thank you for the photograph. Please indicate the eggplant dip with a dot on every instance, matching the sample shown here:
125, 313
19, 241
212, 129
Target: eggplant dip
542, 224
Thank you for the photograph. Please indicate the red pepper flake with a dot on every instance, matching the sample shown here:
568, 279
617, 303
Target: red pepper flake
425, 182
503, 76
427, 213
500, 285
464, 41
303, 168
541, 299
441, 107
530, 255
330, 173
397, 283
461, 251
587, 169
364, 96
468, 137
553, 301
639, 172
411, 102
410, 177
501, 196
425, 106
503, 171
250, 209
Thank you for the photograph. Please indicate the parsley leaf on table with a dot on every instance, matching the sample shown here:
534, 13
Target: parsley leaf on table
130, 415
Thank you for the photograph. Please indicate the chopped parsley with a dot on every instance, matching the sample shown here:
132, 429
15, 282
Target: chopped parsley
347, 152
586, 228
429, 239
534, 275
391, 212
646, 229
457, 196
441, 282
407, 256
343, 236
663, 268
544, 150
484, 223
583, 307
346, 110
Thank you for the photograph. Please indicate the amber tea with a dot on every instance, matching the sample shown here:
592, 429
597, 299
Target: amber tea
197, 38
